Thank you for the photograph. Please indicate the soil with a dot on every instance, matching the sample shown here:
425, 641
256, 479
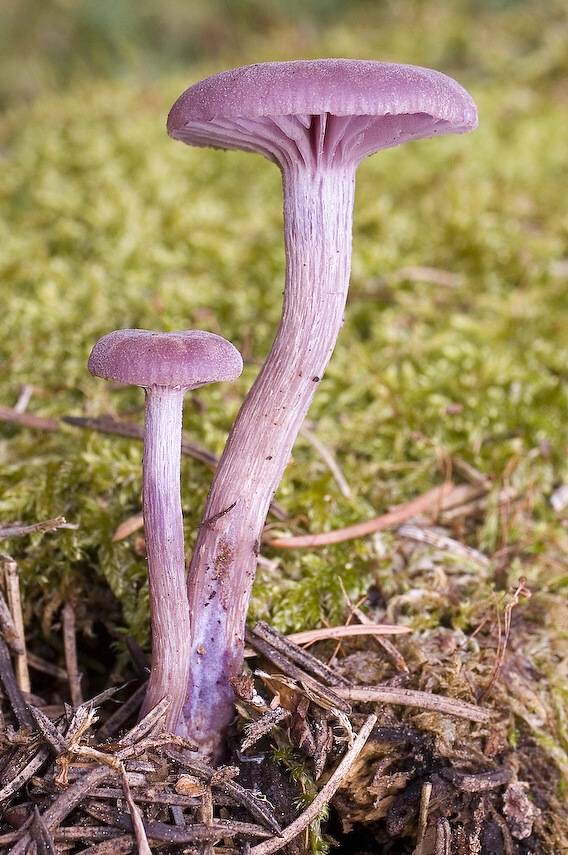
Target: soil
424, 783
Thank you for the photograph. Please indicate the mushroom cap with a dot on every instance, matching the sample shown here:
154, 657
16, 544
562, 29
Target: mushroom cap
182, 360
364, 106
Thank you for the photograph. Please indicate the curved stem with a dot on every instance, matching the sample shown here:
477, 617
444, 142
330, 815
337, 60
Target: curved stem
163, 527
317, 221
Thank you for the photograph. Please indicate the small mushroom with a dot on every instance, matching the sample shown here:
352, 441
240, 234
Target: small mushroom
316, 120
166, 365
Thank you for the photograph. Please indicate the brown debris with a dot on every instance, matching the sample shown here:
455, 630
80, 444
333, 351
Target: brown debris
435, 773
520, 812
323, 797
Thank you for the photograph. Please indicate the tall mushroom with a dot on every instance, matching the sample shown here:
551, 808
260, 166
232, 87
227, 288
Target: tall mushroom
316, 120
166, 365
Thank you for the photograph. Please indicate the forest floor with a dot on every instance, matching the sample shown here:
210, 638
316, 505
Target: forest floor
450, 368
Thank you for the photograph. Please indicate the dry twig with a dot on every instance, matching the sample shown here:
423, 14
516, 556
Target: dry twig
392, 653
118, 844
41, 835
316, 691
413, 698
14, 416
25, 772
12, 580
134, 742
292, 651
136, 817
214, 777
12, 689
267, 722
123, 713
20, 530
70, 649
9, 629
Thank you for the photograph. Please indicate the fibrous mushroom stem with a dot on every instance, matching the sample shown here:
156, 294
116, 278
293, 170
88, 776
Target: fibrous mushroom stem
318, 206
163, 527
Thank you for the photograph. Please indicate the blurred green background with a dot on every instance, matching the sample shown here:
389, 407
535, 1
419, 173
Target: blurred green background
52, 45
455, 343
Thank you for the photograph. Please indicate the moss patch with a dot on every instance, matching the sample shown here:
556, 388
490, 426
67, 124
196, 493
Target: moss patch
106, 223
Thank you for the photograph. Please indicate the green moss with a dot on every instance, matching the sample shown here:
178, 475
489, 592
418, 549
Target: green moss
105, 222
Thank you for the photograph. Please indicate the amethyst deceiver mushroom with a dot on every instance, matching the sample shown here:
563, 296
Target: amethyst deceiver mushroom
316, 120
166, 365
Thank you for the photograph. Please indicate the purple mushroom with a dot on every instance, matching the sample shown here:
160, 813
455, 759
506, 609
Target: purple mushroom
316, 120
166, 365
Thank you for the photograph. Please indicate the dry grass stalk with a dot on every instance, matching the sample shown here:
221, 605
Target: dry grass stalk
443, 542
127, 527
13, 416
311, 636
392, 653
329, 459
39, 664
504, 631
431, 503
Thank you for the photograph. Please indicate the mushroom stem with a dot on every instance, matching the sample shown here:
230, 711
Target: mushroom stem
163, 526
318, 205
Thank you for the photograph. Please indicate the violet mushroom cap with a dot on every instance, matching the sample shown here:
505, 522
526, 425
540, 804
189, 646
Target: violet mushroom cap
186, 359
330, 109
316, 120
166, 365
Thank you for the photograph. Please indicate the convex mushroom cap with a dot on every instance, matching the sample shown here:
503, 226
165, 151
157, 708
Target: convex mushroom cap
330, 110
186, 359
